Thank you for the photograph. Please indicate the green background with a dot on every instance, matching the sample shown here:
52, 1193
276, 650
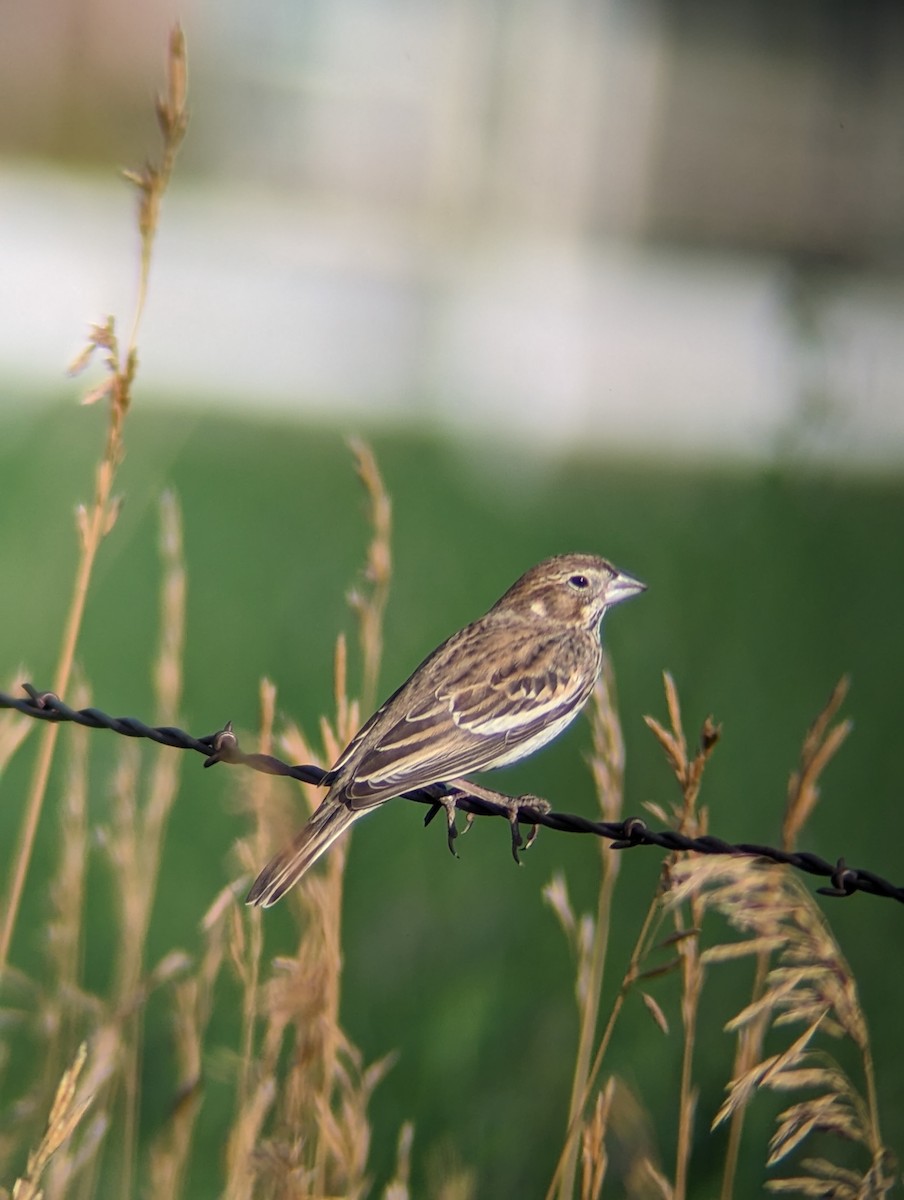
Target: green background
765, 584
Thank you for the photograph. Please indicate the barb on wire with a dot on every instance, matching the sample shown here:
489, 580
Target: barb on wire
531, 811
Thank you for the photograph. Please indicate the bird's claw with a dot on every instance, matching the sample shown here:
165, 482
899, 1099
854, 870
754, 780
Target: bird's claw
532, 836
517, 839
448, 804
517, 817
516, 809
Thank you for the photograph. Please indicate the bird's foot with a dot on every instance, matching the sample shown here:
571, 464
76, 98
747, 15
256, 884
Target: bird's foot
516, 809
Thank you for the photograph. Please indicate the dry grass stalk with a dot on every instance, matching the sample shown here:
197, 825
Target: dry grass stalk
134, 841
74, 1168
654, 1183
556, 895
370, 604
95, 521
398, 1187
63, 999
688, 771
458, 1184
447, 1178
633, 1142
594, 1159
692, 820
301, 1125
153, 179
820, 744
66, 1112
618, 1130
192, 1007
137, 839
811, 985
257, 1084
246, 961
607, 766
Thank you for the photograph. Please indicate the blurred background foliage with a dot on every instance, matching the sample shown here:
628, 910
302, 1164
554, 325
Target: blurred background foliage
622, 278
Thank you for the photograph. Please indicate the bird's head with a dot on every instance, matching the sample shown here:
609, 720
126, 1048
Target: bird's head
571, 589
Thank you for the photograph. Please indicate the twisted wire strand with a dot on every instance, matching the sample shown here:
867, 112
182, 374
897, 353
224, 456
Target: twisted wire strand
527, 810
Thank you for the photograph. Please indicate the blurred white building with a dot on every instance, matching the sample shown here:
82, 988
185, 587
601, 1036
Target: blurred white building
653, 224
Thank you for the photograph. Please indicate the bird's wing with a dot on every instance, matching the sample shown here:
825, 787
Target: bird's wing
457, 714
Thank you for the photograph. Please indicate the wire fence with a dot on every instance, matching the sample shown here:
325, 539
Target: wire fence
531, 811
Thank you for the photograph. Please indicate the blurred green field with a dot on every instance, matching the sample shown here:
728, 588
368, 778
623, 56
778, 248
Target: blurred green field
764, 587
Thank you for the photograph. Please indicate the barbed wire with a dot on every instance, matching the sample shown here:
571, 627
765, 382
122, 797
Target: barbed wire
532, 811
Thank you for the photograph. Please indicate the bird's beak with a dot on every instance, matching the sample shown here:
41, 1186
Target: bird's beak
623, 587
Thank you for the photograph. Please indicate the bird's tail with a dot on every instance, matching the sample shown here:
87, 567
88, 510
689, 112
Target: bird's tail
286, 868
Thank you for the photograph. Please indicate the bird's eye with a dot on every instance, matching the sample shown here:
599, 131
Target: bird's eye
579, 582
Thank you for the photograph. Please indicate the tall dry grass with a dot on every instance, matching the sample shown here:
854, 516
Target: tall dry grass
800, 977
302, 1090
300, 1123
96, 520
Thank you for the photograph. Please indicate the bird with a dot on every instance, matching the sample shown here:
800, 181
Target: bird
490, 695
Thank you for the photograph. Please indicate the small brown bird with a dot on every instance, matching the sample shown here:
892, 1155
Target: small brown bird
492, 694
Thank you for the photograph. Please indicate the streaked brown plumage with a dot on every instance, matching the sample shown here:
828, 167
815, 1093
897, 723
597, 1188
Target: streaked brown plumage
492, 694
